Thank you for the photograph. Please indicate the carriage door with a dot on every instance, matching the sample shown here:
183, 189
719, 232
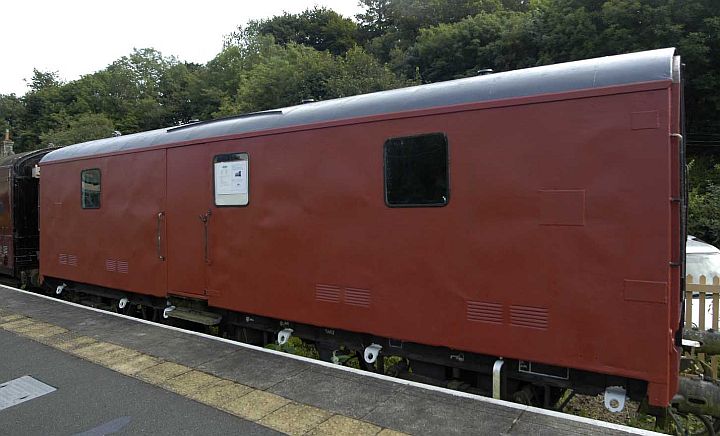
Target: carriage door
189, 216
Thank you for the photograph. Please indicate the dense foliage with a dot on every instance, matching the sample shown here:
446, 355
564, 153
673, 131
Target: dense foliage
319, 54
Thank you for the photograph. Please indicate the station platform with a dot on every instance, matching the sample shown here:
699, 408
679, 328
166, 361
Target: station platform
105, 373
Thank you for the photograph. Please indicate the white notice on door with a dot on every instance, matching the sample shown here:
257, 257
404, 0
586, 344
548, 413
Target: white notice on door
231, 177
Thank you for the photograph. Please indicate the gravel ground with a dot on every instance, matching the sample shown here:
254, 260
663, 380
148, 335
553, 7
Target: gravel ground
593, 407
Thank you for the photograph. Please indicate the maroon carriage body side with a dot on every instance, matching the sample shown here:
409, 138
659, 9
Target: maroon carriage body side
559, 241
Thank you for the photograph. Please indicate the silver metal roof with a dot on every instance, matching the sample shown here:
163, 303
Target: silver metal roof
624, 69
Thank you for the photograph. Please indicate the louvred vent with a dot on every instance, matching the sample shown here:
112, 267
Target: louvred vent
484, 312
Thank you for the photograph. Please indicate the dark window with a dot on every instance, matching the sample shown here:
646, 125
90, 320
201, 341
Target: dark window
416, 170
90, 189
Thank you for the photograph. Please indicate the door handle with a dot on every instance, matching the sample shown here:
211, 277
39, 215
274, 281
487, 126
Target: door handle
160, 216
205, 218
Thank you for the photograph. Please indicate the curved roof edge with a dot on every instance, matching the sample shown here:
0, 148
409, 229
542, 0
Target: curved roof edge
646, 66
19, 158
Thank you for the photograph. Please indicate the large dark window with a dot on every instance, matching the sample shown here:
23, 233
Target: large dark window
416, 170
90, 189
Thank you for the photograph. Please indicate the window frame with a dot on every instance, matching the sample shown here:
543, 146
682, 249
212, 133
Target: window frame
82, 190
214, 161
385, 162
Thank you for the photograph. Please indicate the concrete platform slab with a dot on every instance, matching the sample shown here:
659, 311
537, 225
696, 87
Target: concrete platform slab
421, 414
337, 394
95, 400
250, 368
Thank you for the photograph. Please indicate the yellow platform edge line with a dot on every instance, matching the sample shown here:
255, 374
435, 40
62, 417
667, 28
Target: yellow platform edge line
261, 407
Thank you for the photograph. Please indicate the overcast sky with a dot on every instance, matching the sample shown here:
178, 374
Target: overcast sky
77, 37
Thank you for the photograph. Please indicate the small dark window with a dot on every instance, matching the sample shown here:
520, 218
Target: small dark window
90, 189
416, 170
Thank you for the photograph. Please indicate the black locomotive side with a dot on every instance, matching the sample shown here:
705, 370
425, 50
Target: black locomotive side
19, 216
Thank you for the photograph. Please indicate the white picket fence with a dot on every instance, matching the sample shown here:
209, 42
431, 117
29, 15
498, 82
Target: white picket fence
702, 300
701, 311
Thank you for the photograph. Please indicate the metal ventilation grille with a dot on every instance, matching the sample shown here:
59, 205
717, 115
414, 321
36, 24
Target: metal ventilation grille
357, 297
122, 267
327, 293
527, 316
119, 266
67, 259
484, 312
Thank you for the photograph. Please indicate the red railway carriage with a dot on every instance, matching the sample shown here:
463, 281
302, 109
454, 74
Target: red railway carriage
533, 215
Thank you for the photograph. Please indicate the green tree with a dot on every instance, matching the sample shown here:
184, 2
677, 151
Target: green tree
320, 28
221, 79
704, 214
132, 91
12, 114
84, 127
377, 19
287, 75
182, 94
499, 41
359, 72
43, 79
43, 108
390, 26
